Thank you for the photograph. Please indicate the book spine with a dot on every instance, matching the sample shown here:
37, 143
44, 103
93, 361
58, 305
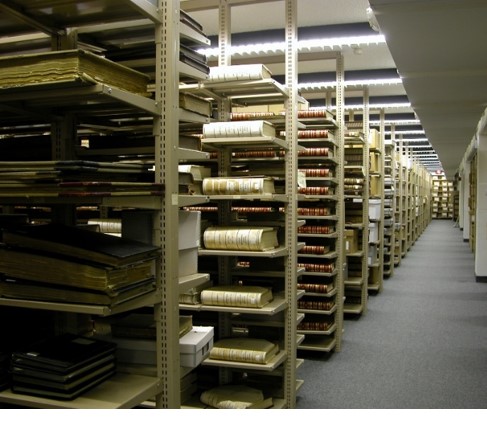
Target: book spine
233, 129
230, 298
232, 186
241, 355
107, 225
230, 238
317, 288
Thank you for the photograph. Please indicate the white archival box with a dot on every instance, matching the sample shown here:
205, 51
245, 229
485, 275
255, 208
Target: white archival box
194, 347
189, 242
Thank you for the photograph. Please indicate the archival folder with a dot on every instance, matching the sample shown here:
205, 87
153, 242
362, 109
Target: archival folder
79, 243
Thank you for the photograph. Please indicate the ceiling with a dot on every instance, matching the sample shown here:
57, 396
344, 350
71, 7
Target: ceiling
439, 50
436, 46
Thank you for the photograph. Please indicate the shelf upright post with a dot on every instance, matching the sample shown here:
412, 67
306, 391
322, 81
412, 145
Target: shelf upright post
224, 165
365, 200
382, 196
290, 334
166, 222
340, 206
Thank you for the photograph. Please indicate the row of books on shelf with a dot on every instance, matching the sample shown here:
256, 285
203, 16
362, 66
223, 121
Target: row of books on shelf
256, 128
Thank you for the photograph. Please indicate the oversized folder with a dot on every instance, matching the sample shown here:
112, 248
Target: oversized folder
79, 243
62, 354
61, 394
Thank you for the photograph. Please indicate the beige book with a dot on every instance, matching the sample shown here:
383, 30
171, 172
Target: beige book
238, 185
235, 397
246, 350
194, 103
71, 273
197, 172
107, 225
238, 72
237, 296
241, 238
68, 66
236, 129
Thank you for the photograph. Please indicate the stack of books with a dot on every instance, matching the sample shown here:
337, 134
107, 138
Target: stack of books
62, 367
75, 265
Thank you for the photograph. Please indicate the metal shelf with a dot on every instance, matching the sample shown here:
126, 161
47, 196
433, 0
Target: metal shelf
277, 252
120, 391
275, 362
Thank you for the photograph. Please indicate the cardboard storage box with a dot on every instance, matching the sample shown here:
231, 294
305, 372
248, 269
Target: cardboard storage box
375, 186
189, 229
374, 209
194, 347
373, 232
351, 241
372, 258
374, 139
374, 162
188, 262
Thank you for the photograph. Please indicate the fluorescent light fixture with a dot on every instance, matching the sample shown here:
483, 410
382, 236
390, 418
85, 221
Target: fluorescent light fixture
404, 122
313, 86
403, 132
376, 106
418, 147
414, 140
319, 44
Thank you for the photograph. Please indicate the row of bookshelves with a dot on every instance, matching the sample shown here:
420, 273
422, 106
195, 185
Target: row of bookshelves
284, 219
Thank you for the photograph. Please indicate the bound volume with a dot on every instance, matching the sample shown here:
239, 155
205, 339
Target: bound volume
238, 72
40, 291
79, 243
68, 66
71, 273
237, 296
62, 367
238, 238
238, 185
232, 129
247, 350
235, 397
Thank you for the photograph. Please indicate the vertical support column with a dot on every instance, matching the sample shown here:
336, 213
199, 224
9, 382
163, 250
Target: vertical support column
481, 211
365, 200
466, 201
382, 129
224, 165
166, 222
225, 34
340, 210
291, 227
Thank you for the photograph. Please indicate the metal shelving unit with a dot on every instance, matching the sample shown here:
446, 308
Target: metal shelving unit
390, 194
53, 26
357, 221
326, 307
277, 266
376, 210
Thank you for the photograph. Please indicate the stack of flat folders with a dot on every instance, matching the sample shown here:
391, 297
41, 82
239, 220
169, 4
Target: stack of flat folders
62, 367
75, 265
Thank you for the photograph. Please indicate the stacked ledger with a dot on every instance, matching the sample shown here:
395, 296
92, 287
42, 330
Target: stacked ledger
62, 367
74, 265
